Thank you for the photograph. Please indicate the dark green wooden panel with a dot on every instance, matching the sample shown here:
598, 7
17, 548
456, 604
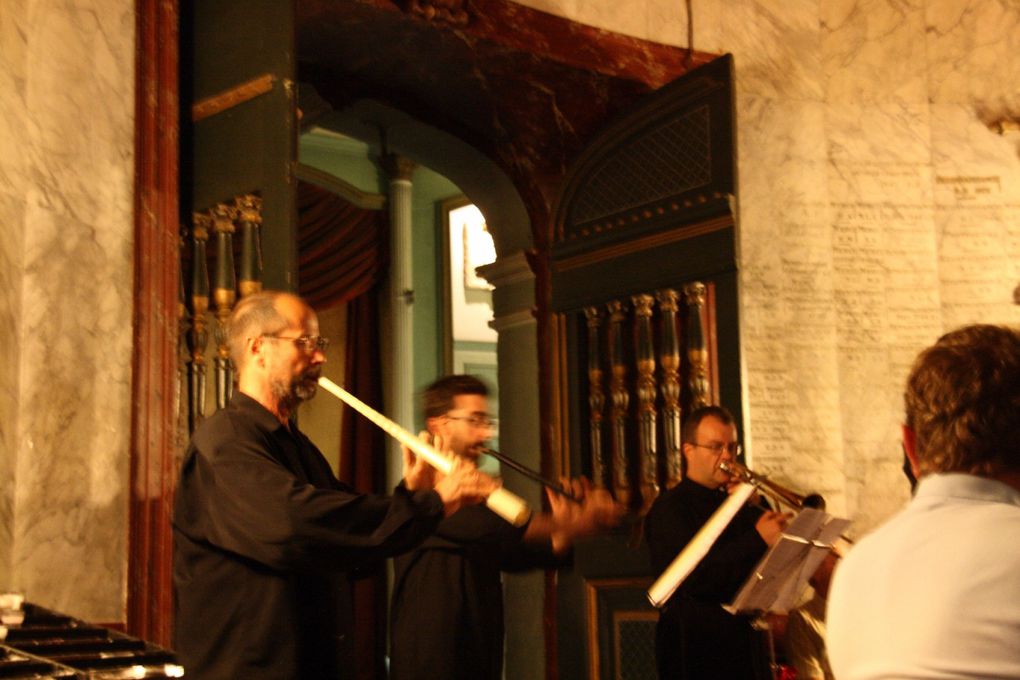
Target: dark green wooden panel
250, 147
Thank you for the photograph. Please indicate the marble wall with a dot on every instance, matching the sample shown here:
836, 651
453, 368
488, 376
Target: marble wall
66, 209
877, 209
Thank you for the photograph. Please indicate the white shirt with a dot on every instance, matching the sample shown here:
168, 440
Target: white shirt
935, 592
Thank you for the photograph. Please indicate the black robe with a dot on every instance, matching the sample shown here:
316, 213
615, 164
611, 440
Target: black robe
695, 637
447, 608
264, 540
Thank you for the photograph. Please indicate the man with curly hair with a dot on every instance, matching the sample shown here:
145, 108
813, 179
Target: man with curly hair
935, 592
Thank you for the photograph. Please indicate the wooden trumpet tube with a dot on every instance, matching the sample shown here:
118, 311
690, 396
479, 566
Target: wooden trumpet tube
510, 507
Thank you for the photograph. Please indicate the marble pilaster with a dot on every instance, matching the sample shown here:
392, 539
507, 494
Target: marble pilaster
67, 199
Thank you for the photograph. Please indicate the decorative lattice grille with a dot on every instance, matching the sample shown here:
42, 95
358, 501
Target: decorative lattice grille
672, 159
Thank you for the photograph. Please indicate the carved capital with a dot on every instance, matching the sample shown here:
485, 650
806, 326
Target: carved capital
695, 293
200, 225
397, 167
223, 218
668, 299
249, 208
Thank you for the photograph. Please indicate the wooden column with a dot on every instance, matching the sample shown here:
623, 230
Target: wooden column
646, 414
154, 441
697, 347
224, 294
621, 402
669, 385
596, 396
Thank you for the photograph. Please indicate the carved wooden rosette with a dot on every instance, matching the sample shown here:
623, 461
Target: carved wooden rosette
669, 360
451, 12
646, 414
198, 335
249, 219
596, 396
697, 350
224, 293
620, 401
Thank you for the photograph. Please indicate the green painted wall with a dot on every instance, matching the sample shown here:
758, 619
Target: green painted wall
351, 160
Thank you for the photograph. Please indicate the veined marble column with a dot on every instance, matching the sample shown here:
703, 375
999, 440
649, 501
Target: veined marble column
399, 398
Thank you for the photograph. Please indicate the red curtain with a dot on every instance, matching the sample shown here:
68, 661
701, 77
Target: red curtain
342, 257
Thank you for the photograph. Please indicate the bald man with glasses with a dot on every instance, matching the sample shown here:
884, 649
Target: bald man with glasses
695, 637
265, 537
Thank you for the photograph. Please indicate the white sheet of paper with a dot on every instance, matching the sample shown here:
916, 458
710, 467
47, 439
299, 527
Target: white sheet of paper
695, 551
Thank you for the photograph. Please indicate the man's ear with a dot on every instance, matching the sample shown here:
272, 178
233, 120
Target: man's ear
434, 425
910, 448
253, 350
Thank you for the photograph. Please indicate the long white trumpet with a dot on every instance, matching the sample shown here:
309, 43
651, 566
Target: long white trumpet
510, 507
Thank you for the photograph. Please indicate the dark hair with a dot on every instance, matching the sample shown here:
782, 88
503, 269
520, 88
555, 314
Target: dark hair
695, 417
437, 399
962, 401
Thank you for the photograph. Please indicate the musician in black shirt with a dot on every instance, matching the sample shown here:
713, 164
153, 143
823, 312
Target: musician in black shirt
264, 535
695, 637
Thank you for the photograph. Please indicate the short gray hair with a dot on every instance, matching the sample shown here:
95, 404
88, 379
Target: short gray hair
253, 316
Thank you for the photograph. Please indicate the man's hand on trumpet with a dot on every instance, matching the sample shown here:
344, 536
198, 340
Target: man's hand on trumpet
463, 485
593, 511
771, 525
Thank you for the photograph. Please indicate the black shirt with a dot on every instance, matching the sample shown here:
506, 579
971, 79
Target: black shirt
695, 636
447, 608
264, 539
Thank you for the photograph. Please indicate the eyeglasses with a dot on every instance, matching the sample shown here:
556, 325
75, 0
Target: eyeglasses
476, 421
718, 449
305, 343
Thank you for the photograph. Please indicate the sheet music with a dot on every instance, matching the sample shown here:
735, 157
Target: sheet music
695, 551
782, 574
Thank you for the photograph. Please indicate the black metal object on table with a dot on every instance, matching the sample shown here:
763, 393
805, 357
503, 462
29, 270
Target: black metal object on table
51, 645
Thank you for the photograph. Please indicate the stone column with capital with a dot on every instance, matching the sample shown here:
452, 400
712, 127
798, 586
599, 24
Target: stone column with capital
513, 303
399, 401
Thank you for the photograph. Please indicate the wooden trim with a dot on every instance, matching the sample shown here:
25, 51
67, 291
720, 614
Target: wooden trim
228, 99
562, 388
154, 364
591, 599
445, 207
645, 243
712, 341
347, 191
620, 617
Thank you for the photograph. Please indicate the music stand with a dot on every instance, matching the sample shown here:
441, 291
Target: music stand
780, 577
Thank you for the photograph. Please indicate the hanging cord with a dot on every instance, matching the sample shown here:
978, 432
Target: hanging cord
689, 59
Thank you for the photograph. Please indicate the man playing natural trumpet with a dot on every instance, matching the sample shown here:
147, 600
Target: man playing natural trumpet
695, 637
447, 609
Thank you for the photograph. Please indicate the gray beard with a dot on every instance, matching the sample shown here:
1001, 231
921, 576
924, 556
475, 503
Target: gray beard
300, 388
